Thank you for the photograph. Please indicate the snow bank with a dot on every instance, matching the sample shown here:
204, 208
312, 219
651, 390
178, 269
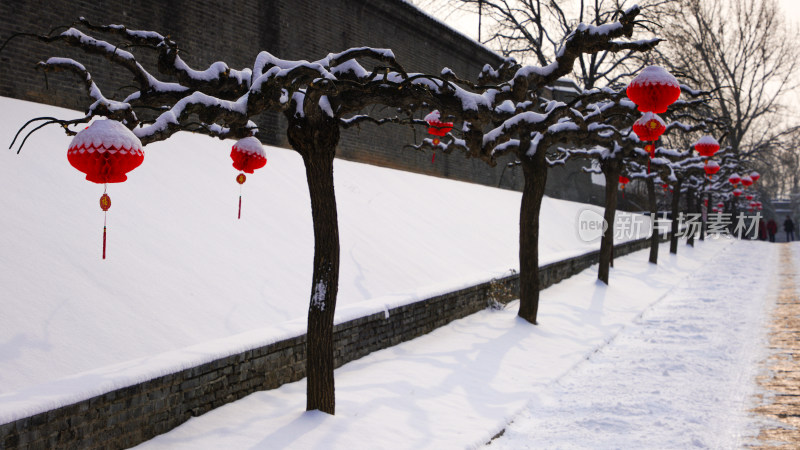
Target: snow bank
183, 271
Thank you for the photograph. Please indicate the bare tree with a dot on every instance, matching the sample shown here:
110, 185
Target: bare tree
745, 54
534, 31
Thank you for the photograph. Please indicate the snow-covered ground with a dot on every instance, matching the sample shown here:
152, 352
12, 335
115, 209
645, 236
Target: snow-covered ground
185, 281
664, 357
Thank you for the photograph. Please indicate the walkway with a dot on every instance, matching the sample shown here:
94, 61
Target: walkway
681, 376
781, 400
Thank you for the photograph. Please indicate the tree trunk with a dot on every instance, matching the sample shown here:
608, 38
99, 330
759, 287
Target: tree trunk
703, 216
534, 170
653, 204
676, 200
611, 170
316, 143
691, 205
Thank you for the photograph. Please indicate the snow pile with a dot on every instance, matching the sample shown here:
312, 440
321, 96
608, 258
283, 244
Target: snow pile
106, 135
183, 271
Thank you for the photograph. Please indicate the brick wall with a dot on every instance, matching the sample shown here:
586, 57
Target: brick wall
235, 31
131, 415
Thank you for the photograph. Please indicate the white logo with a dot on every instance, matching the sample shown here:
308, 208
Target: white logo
591, 225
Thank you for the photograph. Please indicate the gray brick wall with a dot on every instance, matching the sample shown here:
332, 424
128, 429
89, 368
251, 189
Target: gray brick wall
131, 415
235, 31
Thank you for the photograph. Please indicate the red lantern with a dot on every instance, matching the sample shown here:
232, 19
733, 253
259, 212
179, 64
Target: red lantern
623, 180
746, 181
105, 151
705, 202
748, 197
437, 128
653, 90
755, 176
737, 192
665, 186
720, 205
734, 179
711, 168
706, 146
649, 127
248, 155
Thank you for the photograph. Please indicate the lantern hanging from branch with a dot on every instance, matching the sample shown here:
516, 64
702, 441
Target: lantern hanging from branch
748, 196
720, 205
649, 127
105, 151
248, 155
706, 146
437, 128
746, 181
653, 90
755, 176
737, 192
711, 168
734, 179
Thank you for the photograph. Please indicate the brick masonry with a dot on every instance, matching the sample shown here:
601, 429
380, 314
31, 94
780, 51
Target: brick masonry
131, 415
235, 31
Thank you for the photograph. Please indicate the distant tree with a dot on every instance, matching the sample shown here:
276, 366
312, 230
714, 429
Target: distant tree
742, 51
534, 31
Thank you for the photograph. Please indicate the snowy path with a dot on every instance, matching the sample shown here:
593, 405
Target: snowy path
682, 376
460, 385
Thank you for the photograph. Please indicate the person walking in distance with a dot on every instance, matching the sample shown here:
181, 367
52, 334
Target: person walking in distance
788, 227
772, 229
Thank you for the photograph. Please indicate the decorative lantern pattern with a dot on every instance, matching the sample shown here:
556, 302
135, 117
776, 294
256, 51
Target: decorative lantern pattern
105, 151
248, 155
653, 90
711, 168
437, 128
649, 127
706, 146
